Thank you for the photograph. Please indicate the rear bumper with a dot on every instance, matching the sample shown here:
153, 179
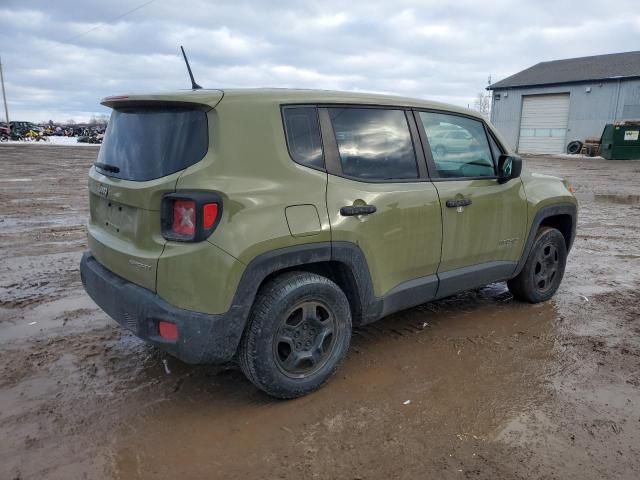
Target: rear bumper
202, 338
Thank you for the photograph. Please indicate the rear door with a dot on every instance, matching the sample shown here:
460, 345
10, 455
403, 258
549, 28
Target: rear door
145, 149
483, 220
379, 196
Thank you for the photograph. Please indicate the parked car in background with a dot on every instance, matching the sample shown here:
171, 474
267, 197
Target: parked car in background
21, 127
452, 141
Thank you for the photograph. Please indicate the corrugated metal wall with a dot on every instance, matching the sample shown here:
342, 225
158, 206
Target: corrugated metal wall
588, 111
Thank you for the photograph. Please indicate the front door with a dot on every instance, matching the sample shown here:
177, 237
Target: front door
379, 198
483, 220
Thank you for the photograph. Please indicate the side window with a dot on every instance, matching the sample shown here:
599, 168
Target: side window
459, 145
374, 143
303, 136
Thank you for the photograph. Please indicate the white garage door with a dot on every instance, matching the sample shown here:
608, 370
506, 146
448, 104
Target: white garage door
543, 126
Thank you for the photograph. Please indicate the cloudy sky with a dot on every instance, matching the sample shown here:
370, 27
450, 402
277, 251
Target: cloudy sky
62, 56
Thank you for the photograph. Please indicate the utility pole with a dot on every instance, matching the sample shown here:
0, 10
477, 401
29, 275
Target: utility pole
490, 98
4, 95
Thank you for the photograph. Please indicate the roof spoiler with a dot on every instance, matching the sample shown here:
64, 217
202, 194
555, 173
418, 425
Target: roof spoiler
121, 101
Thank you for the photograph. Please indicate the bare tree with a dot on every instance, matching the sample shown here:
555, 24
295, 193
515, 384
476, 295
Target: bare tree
482, 103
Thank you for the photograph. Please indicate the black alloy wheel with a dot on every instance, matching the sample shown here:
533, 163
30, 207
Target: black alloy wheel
305, 338
547, 264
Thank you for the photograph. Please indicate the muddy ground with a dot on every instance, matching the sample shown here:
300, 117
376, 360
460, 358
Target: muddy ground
475, 386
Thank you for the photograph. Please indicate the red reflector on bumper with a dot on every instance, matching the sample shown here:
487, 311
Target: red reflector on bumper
210, 213
168, 330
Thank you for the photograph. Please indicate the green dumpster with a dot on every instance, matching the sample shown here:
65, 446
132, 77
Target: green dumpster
621, 141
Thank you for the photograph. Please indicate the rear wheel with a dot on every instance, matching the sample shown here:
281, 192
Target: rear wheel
298, 333
541, 276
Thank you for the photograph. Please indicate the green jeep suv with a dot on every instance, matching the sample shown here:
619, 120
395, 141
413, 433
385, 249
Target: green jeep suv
260, 226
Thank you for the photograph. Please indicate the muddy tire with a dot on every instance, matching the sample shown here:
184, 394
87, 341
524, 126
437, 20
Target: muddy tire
298, 334
541, 276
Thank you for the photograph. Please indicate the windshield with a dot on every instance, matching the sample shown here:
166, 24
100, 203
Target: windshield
144, 143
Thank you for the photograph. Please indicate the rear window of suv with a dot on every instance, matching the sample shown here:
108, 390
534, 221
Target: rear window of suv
144, 143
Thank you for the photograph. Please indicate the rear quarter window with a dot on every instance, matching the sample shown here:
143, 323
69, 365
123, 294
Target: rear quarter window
302, 131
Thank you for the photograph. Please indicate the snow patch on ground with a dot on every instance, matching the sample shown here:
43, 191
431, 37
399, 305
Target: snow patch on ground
54, 141
576, 155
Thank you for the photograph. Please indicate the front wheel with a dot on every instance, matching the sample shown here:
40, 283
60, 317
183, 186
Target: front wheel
541, 275
298, 333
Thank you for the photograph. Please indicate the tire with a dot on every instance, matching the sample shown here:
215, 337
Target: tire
574, 147
542, 273
298, 334
440, 151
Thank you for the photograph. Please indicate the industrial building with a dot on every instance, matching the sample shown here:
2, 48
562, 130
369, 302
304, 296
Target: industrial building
543, 108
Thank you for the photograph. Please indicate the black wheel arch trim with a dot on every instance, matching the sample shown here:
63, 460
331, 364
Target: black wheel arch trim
273, 261
542, 214
362, 297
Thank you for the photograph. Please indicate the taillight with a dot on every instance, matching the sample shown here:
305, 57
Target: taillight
190, 216
184, 217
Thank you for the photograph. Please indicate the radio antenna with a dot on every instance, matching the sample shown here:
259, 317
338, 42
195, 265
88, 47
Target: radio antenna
194, 85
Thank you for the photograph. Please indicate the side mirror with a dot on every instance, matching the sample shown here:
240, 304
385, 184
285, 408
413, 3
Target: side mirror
508, 167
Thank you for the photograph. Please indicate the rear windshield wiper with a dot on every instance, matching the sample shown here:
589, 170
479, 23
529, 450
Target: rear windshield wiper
107, 168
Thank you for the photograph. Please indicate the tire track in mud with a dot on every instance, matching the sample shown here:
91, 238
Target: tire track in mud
30, 281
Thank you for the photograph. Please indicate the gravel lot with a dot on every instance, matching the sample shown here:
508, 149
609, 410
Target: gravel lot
497, 388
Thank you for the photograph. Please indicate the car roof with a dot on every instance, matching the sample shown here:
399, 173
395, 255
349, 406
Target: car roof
284, 96
290, 95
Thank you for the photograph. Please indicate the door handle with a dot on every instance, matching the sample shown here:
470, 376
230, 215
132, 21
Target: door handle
352, 210
462, 202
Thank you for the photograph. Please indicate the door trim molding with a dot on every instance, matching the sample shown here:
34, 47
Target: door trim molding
474, 276
409, 294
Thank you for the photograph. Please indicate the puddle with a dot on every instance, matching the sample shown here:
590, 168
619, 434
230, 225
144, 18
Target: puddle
464, 374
